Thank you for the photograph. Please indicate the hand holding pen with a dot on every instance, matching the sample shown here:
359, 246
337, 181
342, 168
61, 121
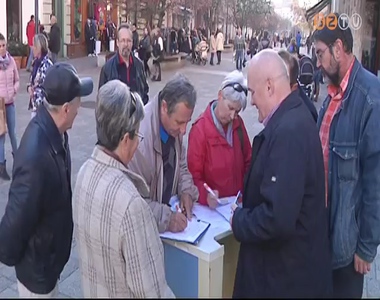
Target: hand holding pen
178, 221
212, 196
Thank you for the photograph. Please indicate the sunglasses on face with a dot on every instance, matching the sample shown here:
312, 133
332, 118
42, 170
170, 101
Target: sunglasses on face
237, 87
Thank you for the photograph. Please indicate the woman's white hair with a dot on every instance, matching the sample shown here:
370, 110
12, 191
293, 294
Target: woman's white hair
229, 93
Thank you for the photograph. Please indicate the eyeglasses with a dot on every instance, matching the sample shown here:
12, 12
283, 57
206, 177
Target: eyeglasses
321, 52
140, 136
237, 87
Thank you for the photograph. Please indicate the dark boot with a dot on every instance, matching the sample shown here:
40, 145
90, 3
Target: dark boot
3, 171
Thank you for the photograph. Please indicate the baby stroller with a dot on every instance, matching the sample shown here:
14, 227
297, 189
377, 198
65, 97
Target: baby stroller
200, 53
306, 75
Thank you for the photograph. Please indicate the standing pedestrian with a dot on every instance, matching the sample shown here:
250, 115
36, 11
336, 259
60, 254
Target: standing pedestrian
9, 85
125, 66
239, 48
212, 47
30, 32
36, 229
122, 245
40, 66
89, 37
219, 45
349, 129
282, 225
54, 39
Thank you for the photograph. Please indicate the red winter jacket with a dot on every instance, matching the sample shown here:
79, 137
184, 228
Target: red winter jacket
30, 32
212, 160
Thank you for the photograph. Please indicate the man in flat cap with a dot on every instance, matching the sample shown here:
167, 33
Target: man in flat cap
36, 229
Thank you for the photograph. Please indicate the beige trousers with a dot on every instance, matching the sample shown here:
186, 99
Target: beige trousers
25, 293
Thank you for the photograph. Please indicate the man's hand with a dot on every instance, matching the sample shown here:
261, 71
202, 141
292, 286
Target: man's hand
212, 201
233, 207
187, 205
361, 266
177, 223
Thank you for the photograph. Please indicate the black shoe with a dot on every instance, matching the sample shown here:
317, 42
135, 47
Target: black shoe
3, 172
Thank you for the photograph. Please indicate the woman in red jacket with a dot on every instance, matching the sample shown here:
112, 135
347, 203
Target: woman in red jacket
219, 150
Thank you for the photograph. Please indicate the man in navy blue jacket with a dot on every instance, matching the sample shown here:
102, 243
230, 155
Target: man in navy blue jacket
293, 69
282, 225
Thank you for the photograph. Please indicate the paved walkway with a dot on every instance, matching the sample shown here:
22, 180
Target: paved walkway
206, 79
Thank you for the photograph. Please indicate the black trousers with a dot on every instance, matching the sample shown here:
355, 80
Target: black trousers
219, 56
212, 58
90, 46
347, 283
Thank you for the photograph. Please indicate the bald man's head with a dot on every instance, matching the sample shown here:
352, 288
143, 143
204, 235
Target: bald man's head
268, 81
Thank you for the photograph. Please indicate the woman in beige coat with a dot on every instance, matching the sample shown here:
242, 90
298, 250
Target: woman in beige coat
212, 47
116, 233
219, 45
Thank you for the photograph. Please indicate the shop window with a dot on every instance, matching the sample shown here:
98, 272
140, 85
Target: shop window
77, 20
13, 8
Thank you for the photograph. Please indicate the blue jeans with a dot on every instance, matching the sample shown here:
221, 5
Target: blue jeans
11, 124
30, 58
239, 59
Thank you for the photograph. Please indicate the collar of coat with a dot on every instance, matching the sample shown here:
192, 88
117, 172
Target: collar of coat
291, 101
103, 158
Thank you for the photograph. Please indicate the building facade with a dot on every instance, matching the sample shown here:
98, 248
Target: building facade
365, 28
367, 36
15, 15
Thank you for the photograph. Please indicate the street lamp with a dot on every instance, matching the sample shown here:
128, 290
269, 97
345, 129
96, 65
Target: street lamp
36, 19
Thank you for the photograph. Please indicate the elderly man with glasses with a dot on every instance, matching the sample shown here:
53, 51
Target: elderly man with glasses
349, 129
116, 233
219, 150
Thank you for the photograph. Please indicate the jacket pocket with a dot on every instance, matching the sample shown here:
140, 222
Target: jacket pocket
218, 155
347, 162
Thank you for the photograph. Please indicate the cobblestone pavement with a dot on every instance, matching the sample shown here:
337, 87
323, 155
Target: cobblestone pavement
82, 140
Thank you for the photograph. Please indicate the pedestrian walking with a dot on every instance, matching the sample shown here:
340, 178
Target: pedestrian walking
36, 229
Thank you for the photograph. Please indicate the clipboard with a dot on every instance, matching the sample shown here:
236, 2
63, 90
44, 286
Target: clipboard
193, 233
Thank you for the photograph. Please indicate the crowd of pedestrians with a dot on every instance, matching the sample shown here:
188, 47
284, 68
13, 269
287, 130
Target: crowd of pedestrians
309, 222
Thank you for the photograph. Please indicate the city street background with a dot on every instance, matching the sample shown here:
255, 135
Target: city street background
206, 80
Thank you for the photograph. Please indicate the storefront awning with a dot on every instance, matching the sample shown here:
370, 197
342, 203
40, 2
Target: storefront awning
311, 12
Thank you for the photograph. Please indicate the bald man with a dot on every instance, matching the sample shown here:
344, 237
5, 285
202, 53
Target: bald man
282, 224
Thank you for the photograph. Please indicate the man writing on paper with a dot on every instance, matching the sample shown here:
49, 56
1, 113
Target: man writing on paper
282, 226
161, 158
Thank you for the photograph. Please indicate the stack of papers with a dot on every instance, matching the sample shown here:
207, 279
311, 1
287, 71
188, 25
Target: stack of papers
192, 234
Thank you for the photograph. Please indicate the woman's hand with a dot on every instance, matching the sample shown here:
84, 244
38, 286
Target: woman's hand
213, 201
30, 91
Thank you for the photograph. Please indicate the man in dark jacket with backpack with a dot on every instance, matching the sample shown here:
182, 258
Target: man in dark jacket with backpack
293, 68
125, 66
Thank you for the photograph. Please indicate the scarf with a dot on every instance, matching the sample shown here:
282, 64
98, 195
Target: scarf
4, 62
36, 64
219, 126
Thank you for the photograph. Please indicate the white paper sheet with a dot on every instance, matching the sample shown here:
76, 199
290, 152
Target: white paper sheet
194, 229
225, 210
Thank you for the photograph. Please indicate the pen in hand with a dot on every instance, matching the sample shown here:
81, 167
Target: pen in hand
210, 190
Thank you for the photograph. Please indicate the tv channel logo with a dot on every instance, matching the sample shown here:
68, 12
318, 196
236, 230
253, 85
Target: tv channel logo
331, 21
